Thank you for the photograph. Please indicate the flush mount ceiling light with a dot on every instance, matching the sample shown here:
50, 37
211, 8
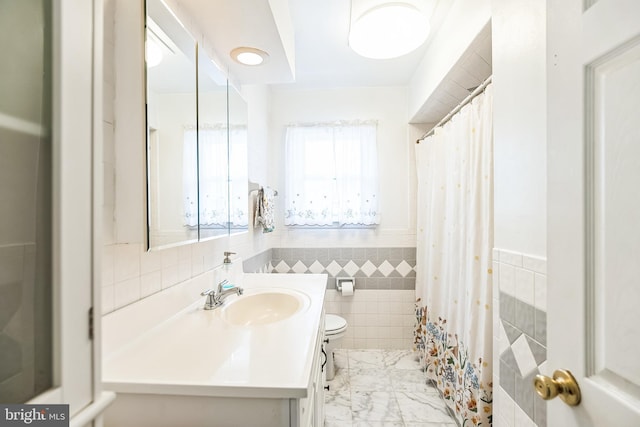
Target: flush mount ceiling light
388, 30
249, 55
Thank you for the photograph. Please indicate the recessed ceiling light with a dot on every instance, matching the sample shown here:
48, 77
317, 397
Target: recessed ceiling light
249, 55
388, 30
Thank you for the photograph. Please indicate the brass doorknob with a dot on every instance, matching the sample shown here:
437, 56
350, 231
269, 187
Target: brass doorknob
562, 384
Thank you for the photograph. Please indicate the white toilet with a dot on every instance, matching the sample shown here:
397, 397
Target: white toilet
334, 329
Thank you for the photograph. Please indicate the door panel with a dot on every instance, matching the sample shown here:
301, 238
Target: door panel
615, 83
594, 206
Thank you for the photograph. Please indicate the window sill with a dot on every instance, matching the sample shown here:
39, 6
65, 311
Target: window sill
333, 227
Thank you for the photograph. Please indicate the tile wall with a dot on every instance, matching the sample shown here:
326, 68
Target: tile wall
130, 273
373, 268
520, 338
377, 319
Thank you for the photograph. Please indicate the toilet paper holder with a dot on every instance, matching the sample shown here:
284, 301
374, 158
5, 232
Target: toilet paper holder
339, 281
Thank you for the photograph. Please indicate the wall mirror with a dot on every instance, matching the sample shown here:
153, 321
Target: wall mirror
197, 177
213, 149
238, 166
171, 129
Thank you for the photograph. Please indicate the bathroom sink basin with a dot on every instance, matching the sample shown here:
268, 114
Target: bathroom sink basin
261, 307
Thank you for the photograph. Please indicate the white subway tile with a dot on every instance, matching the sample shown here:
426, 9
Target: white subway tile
371, 331
367, 294
521, 419
346, 307
150, 283
359, 332
108, 299
197, 264
374, 307
495, 279
150, 261
508, 279
495, 254
500, 421
184, 252
358, 320
383, 308
127, 292
533, 263
525, 288
370, 318
127, 261
541, 292
169, 276
409, 296
384, 332
395, 320
523, 355
503, 343
169, 257
511, 258
184, 269
372, 343
544, 368
396, 332
108, 265
384, 319
507, 406
359, 343
347, 343
408, 320
496, 318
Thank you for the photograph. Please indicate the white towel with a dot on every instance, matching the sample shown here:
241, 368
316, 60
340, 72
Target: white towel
264, 215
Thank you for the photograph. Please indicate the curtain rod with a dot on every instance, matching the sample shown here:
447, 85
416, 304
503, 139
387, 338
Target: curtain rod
464, 102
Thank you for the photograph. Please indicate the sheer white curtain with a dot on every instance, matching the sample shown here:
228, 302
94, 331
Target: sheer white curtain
190, 176
332, 174
214, 176
238, 177
454, 243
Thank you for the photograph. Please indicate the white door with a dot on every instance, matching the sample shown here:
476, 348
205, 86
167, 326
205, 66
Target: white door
76, 133
594, 208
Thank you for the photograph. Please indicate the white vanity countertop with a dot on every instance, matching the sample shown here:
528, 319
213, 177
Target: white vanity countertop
197, 353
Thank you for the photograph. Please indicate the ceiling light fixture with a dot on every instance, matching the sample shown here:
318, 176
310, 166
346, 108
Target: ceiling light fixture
388, 30
249, 56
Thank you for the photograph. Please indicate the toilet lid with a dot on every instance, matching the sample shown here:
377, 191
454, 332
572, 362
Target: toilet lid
334, 323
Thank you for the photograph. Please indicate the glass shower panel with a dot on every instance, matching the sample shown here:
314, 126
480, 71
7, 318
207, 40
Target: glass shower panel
25, 200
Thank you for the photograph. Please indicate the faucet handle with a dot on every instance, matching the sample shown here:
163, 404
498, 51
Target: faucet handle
227, 257
221, 285
208, 292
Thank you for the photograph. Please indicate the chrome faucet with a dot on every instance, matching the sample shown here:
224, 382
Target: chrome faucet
216, 297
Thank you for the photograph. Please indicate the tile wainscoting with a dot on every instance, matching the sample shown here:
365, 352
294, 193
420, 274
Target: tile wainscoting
373, 268
520, 338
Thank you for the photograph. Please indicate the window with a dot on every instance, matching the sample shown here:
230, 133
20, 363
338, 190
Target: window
331, 175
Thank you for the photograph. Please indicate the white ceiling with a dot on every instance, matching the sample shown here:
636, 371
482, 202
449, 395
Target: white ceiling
308, 45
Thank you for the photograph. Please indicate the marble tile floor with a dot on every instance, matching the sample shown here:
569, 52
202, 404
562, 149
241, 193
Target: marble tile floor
382, 388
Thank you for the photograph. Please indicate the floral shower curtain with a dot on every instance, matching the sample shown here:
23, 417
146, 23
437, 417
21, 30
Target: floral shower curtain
454, 280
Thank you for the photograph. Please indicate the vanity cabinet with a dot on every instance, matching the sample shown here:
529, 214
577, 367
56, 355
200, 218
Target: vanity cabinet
166, 375
309, 411
133, 409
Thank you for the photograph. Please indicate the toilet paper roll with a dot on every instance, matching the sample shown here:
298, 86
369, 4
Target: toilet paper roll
347, 288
